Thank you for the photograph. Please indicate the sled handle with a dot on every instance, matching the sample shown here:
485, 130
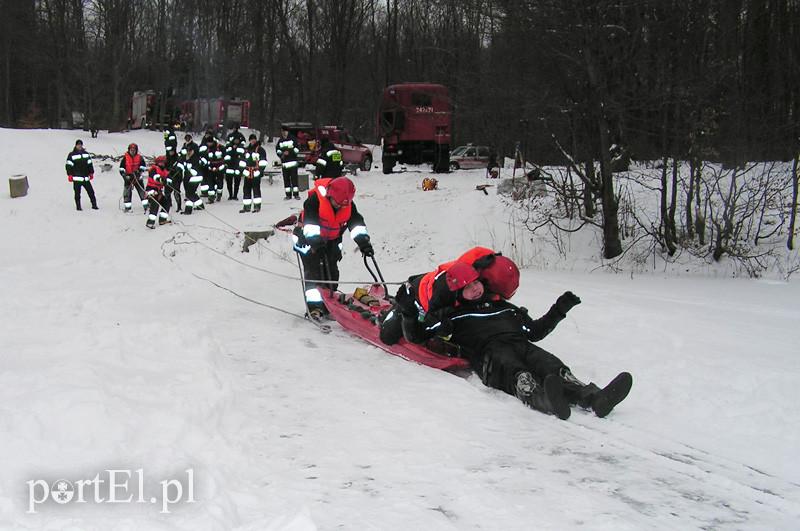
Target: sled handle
380, 275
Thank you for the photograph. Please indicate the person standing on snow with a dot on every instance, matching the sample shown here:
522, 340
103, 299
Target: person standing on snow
189, 170
234, 151
170, 146
328, 210
159, 201
287, 147
234, 134
214, 169
252, 166
80, 172
329, 163
131, 168
188, 140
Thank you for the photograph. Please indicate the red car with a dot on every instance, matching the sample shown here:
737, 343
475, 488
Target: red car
310, 137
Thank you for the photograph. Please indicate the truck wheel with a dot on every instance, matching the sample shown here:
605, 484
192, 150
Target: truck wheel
441, 161
388, 164
454, 166
367, 164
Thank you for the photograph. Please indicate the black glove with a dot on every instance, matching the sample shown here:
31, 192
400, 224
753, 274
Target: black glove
405, 301
316, 244
566, 302
366, 249
445, 328
364, 245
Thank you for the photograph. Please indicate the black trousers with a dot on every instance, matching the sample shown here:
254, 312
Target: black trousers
322, 264
159, 203
252, 188
217, 181
233, 180
191, 193
290, 185
175, 190
501, 359
76, 187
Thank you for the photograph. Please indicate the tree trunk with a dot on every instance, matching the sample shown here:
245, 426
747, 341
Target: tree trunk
588, 191
793, 215
699, 213
612, 245
673, 232
689, 198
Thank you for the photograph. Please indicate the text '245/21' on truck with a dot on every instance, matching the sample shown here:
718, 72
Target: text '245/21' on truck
414, 124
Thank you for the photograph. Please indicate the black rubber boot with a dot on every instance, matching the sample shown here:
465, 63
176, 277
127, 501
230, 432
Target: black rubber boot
548, 397
607, 398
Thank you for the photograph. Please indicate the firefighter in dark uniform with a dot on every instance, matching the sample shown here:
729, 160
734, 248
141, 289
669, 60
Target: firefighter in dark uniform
328, 210
287, 148
498, 339
252, 166
171, 152
329, 163
189, 170
214, 153
80, 172
234, 151
170, 146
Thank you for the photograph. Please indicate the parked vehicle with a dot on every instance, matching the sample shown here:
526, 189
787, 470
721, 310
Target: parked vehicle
153, 110
469, 157
414, 125
310, 139
204, 113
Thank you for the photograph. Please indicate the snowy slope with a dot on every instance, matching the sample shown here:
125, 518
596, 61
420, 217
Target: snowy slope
115, 355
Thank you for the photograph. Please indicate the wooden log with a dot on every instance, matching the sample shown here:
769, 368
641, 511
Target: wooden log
18, 185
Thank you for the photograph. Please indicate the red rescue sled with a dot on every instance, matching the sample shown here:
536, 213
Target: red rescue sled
359, 317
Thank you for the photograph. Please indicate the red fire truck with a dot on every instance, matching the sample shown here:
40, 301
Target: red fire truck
204, 113
152, 110
414, 124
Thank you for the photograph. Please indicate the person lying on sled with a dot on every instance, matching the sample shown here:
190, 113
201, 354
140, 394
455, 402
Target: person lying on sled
498, 339
425, 299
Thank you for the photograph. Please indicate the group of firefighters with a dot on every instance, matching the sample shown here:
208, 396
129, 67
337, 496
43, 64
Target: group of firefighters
464, 302
202, 171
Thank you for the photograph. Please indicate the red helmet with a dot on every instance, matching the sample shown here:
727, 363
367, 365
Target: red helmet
161, 159
501, 276
342, 190
134, 146
459, 275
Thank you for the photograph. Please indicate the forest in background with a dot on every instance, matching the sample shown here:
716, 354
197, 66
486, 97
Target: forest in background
584, 85
720, 78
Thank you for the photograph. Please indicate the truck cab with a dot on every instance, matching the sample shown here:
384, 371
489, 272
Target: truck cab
414, 125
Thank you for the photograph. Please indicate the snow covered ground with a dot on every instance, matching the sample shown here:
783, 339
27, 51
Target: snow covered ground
117, 356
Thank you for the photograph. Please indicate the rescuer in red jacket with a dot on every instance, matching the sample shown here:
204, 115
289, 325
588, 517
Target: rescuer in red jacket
328, 210
159, 201
131, 168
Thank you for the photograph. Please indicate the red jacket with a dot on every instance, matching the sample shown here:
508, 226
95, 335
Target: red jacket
331, 222
157, 177
131, 165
